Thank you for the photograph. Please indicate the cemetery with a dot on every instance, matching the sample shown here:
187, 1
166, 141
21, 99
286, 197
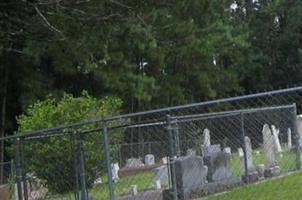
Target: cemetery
197, 156
211, 169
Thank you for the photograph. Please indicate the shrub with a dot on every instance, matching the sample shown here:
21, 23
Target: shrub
51, 159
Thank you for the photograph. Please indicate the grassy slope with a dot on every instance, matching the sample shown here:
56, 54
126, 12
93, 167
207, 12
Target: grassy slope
287, 188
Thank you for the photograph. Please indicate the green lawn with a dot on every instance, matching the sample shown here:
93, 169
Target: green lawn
286, 161
144, 180
286, 188
122, 187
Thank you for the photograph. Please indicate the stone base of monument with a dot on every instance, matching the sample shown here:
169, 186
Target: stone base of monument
271, 172
205, 189
251, 177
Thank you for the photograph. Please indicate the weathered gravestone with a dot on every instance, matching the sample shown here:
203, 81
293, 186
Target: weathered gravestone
149, 160
241, 158
115, 169
191, 176
269, 150
134, 163
164, 160
219, 166
276, 138
260, 169
209, 150
252, 174
227, 150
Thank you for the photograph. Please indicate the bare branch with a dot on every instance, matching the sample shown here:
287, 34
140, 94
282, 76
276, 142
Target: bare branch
47, 22
120, 4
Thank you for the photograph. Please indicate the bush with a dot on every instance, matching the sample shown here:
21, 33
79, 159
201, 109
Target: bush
51, 159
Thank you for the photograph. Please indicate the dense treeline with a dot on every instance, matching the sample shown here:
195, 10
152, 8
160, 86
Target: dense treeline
147, 53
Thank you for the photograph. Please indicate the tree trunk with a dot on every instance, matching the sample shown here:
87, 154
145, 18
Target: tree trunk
2, 119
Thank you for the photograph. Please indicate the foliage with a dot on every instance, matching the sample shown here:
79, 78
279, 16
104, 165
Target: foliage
51, 159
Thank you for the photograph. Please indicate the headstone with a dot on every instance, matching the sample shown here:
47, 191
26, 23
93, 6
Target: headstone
271, 169
206, 137
164, 160
133, 190
289, 138
260, 169
191, 174
115, 169
227, 150
249, 154
219, 166
209, 150
268, 146
157, 185
240, 152
241, 158
134, 163
191, 152
149, 159
161, 174
276, 138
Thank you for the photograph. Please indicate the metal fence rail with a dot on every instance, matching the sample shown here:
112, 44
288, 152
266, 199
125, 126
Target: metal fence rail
159, 154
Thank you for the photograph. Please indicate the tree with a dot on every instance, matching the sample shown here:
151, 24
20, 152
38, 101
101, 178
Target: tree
51, 159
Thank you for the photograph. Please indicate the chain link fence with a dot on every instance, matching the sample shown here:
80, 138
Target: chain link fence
182, 152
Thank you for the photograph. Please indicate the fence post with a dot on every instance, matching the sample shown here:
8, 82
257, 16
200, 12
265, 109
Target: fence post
297, 137
75, 164
108, 162
81, 166
246, 173
23, 171
176, 140
18, 168
172, 157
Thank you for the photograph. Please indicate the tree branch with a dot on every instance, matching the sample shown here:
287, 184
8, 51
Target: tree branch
51, 27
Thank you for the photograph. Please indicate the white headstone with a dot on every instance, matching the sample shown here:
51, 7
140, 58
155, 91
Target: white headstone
249, 153
240, 152
206, 137
268, 146
227, 150
157, 185
276, 138
164, 160
289, 138
115, 169
149, 159
133, 190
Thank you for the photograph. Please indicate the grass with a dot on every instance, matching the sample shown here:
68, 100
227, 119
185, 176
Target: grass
286, 188
144, 180
286, 161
